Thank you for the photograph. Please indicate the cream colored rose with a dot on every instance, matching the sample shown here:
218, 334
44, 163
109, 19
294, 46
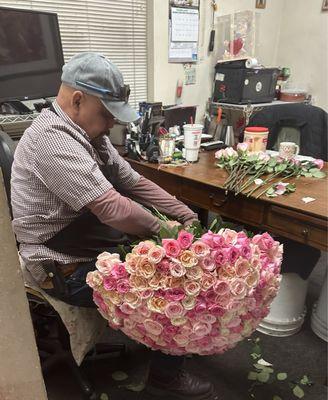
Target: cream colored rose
114, 297
132, 299
189, 302
194, 273
156, 254
207, 281
156, 281
131, 263
157, 304
192, 288
179, 321
188, 258
252, 278
138, 282
145, 268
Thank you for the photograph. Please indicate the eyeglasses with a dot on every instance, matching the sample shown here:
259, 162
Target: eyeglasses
123, 95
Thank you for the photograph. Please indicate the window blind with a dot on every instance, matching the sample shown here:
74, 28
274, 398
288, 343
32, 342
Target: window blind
115, 28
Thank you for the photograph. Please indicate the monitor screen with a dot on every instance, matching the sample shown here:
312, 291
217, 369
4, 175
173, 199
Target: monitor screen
31, 56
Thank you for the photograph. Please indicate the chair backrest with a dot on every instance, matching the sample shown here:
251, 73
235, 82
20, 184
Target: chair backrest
300, 123
7, 148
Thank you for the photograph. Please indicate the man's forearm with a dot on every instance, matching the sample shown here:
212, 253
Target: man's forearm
149, 194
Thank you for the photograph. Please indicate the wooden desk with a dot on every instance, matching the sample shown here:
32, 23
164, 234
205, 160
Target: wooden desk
201, 184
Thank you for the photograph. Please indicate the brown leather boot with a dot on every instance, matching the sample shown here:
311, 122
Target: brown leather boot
184, 386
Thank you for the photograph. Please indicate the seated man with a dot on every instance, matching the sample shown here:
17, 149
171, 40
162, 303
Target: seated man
73, 197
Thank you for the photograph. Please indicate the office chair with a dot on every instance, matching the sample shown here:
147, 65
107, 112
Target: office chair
301, 123
51, 335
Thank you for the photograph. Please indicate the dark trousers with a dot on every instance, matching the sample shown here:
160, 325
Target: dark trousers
80, 294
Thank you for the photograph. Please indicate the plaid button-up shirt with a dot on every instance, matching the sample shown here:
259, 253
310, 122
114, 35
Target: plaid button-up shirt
55, 174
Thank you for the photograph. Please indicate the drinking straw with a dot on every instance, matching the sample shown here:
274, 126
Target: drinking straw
191, 121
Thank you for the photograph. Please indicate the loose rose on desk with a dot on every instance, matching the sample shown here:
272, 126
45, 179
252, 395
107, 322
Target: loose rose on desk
189, 293
246, 168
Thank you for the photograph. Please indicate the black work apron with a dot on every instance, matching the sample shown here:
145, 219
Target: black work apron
86, 236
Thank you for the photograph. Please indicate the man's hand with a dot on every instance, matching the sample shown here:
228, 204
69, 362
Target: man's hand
172, 224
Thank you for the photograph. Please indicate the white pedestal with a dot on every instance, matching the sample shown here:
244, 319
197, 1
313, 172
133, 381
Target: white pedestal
287, 309
319, 314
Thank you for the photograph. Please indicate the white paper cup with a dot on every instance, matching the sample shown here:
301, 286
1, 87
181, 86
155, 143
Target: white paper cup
192, 139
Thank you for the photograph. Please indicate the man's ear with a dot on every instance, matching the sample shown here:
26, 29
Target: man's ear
76, 99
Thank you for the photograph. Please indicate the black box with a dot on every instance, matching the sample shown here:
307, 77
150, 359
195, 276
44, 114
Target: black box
234, 83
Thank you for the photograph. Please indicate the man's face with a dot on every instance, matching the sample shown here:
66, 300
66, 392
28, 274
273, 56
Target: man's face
93, 117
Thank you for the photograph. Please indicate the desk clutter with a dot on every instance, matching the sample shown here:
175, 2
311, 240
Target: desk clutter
167, 134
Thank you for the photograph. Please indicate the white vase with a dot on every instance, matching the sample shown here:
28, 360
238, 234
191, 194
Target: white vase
319, 314
288, 309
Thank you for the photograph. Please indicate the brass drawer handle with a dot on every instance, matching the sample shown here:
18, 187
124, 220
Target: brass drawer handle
305, 232
218, 204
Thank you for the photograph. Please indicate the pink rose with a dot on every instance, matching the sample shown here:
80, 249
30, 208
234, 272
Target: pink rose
174, 310
242, 268
110, 283
238, 288
185, 239
177, 269
233, 254
207, 238
153, 327
123, 286
142, 248
264, 241
200, 306
164, 266
221, 288
207, 263
175, 294
218, 241
200, 329
319, 163
220, 257
126, 308
118, 271
230, 236
207, 281
200, 248
156, 254
172, 247
242, 147
192, 288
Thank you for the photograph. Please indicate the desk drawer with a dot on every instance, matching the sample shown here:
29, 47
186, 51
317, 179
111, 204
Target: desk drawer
238, 208
301, 227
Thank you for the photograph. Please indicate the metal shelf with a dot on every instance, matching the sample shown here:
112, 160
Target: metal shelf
13, 118
246, 109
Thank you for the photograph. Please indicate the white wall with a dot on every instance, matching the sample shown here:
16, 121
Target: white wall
303, 46
163, 76
282, 31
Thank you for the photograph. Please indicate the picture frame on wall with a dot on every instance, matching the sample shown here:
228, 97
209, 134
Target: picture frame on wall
260, 3
324, 5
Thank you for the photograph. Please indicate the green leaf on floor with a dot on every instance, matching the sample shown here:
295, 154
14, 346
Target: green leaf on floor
265, 363
306, 381
135, 387
275, 397
252, 376
281, 376
298, 392
103, 396
263, 377
119, 376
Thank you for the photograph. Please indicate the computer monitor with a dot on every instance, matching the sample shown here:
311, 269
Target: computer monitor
179, 115
31, 56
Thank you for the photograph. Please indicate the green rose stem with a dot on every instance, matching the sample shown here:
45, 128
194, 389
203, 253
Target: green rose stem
251, 180
233, 173
269, 179
265, 190
240, 177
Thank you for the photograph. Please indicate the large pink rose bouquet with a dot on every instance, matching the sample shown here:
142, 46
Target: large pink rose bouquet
187, 294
